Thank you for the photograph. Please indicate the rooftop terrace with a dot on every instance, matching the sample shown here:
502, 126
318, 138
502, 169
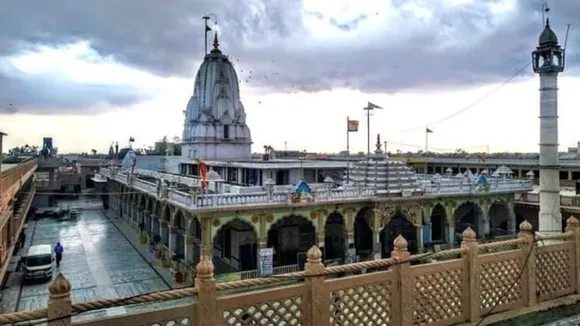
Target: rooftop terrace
185, 191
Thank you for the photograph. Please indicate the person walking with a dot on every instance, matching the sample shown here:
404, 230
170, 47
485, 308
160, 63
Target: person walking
58, 249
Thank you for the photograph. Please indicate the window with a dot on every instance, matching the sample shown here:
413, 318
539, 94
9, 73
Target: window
226, 131
35, 261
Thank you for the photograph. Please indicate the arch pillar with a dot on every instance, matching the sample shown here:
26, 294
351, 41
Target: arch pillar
450, 207
511, 224
262, 234
320, 230
376, 228
189, 247
163, 231
483, 225
427, 233
172, 238
348, 229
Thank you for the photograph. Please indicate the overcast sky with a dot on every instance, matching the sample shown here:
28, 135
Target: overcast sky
89, 73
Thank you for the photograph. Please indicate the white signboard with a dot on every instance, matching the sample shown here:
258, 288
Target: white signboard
266, 261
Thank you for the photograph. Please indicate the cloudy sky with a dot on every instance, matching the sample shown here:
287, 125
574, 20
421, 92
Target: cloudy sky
91, 72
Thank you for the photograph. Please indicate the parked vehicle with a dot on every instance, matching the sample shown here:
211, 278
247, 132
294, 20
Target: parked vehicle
37, 264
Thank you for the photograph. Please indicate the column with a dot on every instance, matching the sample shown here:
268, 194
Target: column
152, 218
420, 238
163, 232
483, 227
189, 247
511, 223
172, 239
449, 224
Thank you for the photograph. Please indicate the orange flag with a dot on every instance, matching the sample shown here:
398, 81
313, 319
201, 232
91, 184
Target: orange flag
202, 173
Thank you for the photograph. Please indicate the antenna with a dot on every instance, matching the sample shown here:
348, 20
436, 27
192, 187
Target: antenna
566, 39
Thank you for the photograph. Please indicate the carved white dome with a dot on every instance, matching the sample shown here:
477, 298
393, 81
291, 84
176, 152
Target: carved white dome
215, 123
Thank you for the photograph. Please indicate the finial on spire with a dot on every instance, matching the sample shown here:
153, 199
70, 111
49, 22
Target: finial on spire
216, 43
378, 145
545, 11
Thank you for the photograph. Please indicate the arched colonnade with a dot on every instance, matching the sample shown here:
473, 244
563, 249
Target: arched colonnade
343, 234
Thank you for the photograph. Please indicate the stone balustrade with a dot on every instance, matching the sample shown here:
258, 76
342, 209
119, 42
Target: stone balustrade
495, 185
194, 200
565, 200
467, 284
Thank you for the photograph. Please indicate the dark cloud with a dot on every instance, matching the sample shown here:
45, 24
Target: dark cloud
266, 38
45, 94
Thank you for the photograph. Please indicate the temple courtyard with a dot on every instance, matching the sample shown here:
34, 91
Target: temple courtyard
102, 259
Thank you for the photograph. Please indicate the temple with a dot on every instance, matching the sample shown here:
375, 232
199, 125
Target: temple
296, 241
225, 204
215, 120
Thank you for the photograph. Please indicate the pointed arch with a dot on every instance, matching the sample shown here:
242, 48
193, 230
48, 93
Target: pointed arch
467, 214
334, 247
237, 242
178, 220
499, 215
166, 215
438, 223
291, 236
398, 225
363, 232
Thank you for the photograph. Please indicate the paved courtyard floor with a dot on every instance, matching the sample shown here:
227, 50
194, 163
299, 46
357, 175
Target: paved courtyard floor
99, 260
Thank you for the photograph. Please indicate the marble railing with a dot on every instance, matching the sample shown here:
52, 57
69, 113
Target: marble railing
190, 181
495, 185
565, 200
193, 200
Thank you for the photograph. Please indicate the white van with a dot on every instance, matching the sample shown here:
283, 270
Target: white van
37, 264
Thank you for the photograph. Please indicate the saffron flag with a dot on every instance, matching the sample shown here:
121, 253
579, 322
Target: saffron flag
429, 131
202, 173
352, 125
372, 106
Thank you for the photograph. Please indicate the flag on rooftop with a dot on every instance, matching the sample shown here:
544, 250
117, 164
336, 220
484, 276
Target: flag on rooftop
372, 106
429, 131
352, 125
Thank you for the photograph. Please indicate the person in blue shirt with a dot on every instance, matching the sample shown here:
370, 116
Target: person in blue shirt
58, 249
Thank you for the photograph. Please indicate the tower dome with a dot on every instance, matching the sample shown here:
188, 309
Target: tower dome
215, 120
548, 37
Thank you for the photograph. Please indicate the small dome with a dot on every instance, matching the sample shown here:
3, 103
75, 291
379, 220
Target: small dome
328, 180
530, 174
504, 170
269, 182
548, 37
213, 176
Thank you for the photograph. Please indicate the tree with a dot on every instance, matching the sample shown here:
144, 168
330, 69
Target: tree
94, 151
161, 146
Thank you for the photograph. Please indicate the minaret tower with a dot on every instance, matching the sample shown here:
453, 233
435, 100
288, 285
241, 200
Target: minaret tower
548, 62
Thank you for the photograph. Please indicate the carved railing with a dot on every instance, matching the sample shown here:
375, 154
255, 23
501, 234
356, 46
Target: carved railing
494, 185
465, 287
534, 198
197, 201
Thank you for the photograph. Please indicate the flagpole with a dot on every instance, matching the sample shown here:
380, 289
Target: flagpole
368, 108
347, 149
426, 140
206, 18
